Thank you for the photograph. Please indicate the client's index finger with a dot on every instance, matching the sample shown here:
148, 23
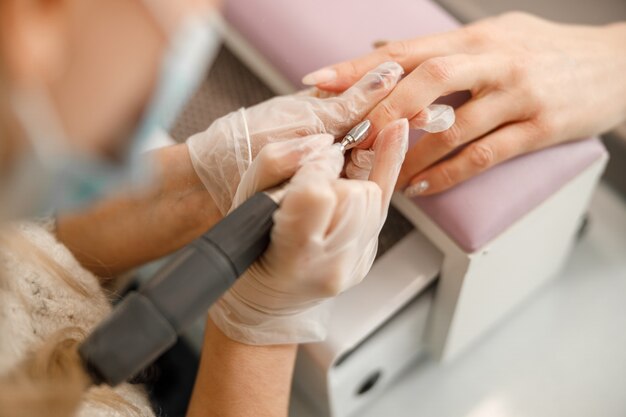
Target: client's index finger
339, 77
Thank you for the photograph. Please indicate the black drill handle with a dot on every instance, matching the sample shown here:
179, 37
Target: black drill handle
244, 234
226, 251
146, 323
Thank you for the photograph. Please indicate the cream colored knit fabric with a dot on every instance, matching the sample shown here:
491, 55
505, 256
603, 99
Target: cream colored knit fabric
34, 304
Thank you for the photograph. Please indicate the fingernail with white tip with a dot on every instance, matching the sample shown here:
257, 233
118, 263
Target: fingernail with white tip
417, 189
320, 76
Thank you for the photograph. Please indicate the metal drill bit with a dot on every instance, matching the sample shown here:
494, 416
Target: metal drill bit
355, 136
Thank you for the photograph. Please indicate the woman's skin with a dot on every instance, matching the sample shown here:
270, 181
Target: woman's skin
241, 380
121, 233
533, 83
68, 48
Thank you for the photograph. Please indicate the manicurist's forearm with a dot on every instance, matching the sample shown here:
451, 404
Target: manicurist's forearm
241, 380
124, 232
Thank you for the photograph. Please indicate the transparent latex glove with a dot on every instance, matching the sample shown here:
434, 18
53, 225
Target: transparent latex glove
221, 154
434, 118
323, 242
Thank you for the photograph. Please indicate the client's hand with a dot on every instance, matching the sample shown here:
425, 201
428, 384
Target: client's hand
222, 153
324, 238
533, 83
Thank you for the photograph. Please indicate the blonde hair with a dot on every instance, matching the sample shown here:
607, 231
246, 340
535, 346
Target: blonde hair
51, 380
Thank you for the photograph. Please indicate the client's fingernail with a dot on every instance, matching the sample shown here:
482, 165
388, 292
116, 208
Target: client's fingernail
320, 76
416, 189
379, 43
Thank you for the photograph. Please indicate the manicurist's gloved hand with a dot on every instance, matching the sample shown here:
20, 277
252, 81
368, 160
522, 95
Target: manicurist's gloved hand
324, 238
223, 152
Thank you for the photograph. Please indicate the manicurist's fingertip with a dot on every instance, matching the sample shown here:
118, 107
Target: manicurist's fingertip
402, 125
398, 129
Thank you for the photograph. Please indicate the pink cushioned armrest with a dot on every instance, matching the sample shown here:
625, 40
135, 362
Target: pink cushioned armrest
475, 212
298, 36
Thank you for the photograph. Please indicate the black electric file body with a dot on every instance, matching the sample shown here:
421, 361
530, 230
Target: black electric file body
146, 322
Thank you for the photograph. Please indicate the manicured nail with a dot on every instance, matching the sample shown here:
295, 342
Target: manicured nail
379, 43
416, 189
320, 76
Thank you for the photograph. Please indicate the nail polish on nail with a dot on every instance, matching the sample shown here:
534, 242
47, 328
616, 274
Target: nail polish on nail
379, 43
417, 189
320, 76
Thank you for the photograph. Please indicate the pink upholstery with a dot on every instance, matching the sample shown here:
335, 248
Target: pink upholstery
298, 36
475, 212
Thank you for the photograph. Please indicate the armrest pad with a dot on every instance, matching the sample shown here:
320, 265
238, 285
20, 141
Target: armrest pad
478, 210
297, 37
